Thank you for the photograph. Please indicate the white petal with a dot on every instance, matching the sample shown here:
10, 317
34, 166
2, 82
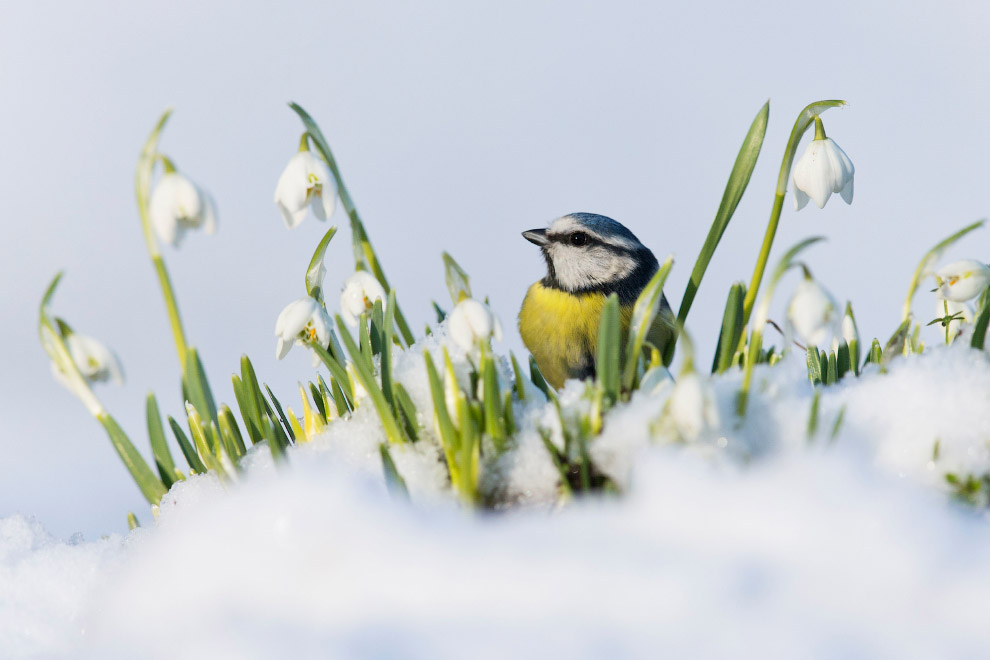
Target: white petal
963, 280
319, 211
294, 183
329, 196
321, 323
800, 199
813, 173
812, 312
282, 348
163, 221
361, 286
294, 318
847, 191
209, 213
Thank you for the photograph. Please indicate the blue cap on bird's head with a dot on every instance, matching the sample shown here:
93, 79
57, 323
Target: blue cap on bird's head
588, 252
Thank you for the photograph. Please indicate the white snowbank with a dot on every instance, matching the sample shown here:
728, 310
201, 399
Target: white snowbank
753, 541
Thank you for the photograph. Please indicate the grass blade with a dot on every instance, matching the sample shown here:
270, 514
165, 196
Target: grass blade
159, 447
739, 178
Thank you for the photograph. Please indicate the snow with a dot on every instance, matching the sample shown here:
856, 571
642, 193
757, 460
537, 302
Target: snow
751, 540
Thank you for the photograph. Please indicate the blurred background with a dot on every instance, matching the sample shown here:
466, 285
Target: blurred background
457, 126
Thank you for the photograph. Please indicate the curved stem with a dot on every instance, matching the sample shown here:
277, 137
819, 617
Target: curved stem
145, 169
364, 253
804, 119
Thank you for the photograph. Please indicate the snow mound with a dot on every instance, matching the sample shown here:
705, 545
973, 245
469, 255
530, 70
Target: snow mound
755, 539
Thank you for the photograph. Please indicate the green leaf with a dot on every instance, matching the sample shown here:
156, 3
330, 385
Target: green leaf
159, 447
365, 373
843, 362
980, 328
197, 387
319, 401
492, 403
228, 425
739, 178
132, 521
607, 360
281, 415
509, 414
896, 343
339, 377
813, 415
385, 366
458, 282
644, 313
732, 328
876, 353
536, 376
245, 403
814, 366
252, 391
393, 480
832, 374
406, 412
317, 271
520, 386
192, 457
441, 315
151, 486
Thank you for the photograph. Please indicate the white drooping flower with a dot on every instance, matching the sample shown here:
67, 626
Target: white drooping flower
472, 323
692, 406
823, 169
962, 280
305, 184
301, 322
813, 313
95, 361
963, 313
358, 296
176, 205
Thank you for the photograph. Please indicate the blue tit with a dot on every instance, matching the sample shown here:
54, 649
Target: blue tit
588, 257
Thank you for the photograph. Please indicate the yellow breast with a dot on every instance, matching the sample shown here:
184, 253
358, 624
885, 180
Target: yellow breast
560, 329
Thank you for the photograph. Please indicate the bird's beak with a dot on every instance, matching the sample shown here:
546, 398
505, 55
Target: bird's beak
536, 236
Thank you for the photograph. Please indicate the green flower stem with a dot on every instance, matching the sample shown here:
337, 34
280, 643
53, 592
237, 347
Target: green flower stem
819, 129
364, 254
142, 184
800, 126
178, 334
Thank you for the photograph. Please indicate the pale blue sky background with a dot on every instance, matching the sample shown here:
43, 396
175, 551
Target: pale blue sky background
457, 126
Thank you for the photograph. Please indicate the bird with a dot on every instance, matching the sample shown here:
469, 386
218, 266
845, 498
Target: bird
588, 257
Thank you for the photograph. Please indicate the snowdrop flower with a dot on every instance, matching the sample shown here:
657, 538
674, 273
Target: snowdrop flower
813, 313
822, 170
305, 184
301, 322
176, 205
962, 280
360, 292
471, 323
692, 406
95, 362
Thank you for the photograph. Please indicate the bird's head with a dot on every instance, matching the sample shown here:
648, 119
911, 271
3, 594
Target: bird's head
587, 252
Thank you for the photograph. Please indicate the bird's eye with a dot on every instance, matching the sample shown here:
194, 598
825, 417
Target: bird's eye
579, 238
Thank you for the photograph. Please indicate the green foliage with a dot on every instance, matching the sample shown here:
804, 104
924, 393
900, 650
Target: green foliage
742, 171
